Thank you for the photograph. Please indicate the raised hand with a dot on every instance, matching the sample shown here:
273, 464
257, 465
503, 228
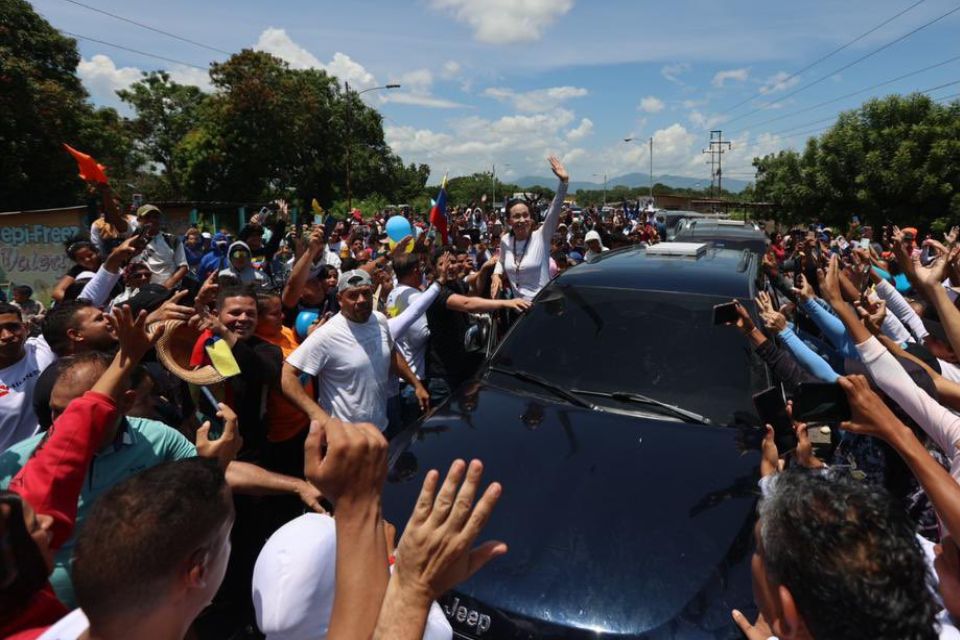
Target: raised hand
868, 413
872, 315
131, 332
436, 551
123, 253
346, 462
225, 448
935, 272
951, 236
208, 292
558, 168
172, 310
804, 451
316, 240
830, 282
805, 291
759, 630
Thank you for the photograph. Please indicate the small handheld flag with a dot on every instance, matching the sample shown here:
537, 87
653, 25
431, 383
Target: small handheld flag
438, 213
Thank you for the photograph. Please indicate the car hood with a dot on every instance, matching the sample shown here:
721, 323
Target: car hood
617, 525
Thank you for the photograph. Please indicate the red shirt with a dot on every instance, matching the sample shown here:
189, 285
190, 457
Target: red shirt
50, 482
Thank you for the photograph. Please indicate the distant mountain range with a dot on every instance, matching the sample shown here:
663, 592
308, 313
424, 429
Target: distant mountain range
633, 180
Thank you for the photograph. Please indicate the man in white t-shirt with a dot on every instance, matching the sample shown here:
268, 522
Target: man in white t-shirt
22, 360
353, 357
164, 254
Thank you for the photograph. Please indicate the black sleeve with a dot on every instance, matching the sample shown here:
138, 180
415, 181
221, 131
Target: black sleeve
784, 366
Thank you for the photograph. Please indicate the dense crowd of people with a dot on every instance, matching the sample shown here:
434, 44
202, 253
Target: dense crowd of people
193, 436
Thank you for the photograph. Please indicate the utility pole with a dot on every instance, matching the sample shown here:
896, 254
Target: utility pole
651, 168
717, 147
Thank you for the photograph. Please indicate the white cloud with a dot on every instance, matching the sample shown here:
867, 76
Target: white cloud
584, 129
780, 81
277, 42
421, 100
704, 121
538, 99
190, 75
651, 104
451, 69
672, 72
417, 81
416, 88
505, 21
572, 156
103, 78
736, 75
473, 142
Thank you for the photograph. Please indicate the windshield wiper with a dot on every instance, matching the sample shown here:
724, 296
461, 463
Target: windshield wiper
627, 396
546, 384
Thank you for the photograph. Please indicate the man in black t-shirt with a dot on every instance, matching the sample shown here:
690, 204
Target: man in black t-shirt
449, 364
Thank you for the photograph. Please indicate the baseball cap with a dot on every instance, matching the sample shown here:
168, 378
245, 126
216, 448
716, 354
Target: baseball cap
149, 298
593, 234
147, 209
294, 582
909, 232
206, 235
576, 256
219, 237
354, 278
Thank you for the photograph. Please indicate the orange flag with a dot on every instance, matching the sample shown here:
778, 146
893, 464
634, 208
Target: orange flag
90, 169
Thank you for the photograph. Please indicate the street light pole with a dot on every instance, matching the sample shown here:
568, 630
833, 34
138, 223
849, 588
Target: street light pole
651, 162
349, 119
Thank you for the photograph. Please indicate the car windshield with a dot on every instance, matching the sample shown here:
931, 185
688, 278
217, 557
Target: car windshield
658, 344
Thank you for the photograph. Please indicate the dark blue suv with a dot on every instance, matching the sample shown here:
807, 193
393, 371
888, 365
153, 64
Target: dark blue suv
610, 414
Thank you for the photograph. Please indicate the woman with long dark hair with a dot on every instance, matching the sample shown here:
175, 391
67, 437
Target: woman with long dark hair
525, 251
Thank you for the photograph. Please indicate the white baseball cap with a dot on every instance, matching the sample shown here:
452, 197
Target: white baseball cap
593, 234
294, 582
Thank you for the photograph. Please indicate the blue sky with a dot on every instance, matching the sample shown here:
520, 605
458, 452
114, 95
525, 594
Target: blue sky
506, 82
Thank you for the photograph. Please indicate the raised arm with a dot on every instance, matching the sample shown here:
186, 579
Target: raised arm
51, 480
348, 463
301, 270
552, 219
400, 324
871, 416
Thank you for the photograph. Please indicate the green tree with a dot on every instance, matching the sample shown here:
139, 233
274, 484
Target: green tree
42, 105
895, 158
166, 113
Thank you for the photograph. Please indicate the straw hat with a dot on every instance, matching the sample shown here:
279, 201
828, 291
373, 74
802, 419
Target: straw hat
174, 349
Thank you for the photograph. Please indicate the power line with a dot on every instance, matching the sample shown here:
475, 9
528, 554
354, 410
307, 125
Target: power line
148, 27
824, 57
850, 64
859, 91
137, 51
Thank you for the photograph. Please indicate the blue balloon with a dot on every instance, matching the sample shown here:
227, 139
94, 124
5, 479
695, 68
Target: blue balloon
398, 228
304, 319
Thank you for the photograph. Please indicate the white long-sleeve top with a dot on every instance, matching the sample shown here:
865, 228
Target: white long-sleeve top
98, 289
899, 306
938, 422
527, 263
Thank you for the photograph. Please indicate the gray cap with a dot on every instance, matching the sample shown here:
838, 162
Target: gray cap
353, 279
